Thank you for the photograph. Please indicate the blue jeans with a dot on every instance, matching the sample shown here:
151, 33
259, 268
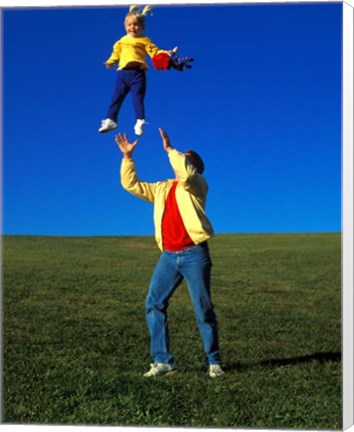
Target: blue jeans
194, 265
129, 80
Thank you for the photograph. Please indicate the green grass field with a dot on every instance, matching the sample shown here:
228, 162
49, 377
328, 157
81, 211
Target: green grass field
75, 342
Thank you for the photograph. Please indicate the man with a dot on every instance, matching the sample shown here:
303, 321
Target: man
181, 231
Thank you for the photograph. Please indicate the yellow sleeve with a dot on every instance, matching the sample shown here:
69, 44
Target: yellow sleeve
132, 184
151, 48
114, 58
188, 175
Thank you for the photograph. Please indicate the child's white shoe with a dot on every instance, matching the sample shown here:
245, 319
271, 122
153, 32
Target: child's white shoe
107, 125
138, 128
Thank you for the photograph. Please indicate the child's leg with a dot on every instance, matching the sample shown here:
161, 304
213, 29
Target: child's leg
138, 89
121, 90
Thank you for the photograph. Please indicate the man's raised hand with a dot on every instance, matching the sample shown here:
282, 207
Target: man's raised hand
125, 146
165, 140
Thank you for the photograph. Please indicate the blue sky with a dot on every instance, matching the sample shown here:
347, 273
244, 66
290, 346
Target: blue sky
262, 105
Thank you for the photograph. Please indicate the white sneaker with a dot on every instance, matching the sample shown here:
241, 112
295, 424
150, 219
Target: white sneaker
138, 128
107, 125
160, 369
215, 371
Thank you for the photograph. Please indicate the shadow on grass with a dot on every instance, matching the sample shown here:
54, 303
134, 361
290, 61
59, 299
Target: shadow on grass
291, 361
320, 357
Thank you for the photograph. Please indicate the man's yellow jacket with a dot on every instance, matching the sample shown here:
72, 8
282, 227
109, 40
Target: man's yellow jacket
191, 193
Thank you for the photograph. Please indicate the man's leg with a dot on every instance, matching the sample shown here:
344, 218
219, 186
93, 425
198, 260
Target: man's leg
164, 281
196, 269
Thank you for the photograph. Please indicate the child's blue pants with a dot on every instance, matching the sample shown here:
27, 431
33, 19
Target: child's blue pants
129, 80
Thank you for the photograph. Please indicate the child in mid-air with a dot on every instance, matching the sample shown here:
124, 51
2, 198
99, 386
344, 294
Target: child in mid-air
130, 53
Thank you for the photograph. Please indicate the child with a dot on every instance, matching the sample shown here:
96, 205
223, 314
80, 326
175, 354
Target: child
130, 53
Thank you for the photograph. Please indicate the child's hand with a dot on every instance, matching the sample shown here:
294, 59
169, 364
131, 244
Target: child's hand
109, 65
174, 50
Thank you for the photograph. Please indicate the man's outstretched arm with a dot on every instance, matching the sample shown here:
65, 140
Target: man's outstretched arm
184, 170
128, 176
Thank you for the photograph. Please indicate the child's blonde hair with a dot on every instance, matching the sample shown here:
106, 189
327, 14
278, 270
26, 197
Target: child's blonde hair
139, 13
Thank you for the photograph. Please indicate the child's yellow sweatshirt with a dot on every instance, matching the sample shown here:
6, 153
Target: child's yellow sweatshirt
133, 49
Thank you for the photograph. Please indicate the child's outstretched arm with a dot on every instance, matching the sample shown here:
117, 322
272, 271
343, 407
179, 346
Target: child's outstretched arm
114, 58
153, 50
